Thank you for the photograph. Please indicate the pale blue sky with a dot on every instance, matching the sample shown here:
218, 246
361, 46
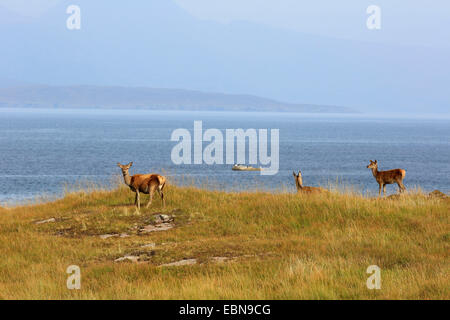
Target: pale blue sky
28, 7
417, 22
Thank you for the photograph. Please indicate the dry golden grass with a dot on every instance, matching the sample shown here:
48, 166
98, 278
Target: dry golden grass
281, 246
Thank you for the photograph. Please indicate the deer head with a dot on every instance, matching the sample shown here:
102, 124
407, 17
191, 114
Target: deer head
125, 167
373, 165
298, 179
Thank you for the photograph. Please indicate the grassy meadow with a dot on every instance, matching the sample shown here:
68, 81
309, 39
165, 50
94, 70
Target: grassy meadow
247, 245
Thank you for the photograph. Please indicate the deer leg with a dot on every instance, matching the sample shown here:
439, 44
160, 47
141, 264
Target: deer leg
401, 186
384, 190
379, 190
152, 191
135, 199
138, 198
161, 194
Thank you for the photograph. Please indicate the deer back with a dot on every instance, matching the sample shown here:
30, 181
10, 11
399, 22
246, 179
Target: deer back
311, 190
142, 182
391, 176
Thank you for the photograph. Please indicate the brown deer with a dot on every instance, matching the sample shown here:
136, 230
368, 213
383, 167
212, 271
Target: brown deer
143, 183
304, 189
387, 177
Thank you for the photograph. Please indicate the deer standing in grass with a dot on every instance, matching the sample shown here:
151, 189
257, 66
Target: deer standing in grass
304, 189
143, 183
387, 177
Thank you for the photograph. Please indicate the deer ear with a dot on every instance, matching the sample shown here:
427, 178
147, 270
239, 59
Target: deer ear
375, 161
130, 164
293, 173
118, 164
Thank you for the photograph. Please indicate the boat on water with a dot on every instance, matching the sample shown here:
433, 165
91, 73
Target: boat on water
241, 167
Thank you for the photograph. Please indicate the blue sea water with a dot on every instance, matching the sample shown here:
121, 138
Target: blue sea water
42, 151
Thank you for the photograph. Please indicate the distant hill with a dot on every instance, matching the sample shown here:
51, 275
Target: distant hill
8, 82
147, 98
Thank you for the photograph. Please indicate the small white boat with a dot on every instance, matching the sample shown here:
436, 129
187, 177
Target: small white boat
241, 167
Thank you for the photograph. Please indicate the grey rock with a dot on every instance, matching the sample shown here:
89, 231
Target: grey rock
106, 236
127, 258
162, 218
148, 245
156, 228
46, 221
184, 262
220, 259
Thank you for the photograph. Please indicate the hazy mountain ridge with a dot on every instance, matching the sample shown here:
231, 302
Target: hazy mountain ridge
147, 98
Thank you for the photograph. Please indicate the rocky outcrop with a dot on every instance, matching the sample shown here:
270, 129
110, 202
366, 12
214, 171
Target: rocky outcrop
437, 194
162, 222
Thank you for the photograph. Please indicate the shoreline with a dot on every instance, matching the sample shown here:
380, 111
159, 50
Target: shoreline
311, 115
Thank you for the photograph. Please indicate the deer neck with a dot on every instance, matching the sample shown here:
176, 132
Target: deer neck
375, 171
299, 184
126, 178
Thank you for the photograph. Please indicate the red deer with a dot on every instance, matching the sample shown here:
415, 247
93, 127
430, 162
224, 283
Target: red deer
143, 183
387, 177
304, 189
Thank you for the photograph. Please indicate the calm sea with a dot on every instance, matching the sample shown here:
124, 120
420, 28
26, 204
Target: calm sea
44, 152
